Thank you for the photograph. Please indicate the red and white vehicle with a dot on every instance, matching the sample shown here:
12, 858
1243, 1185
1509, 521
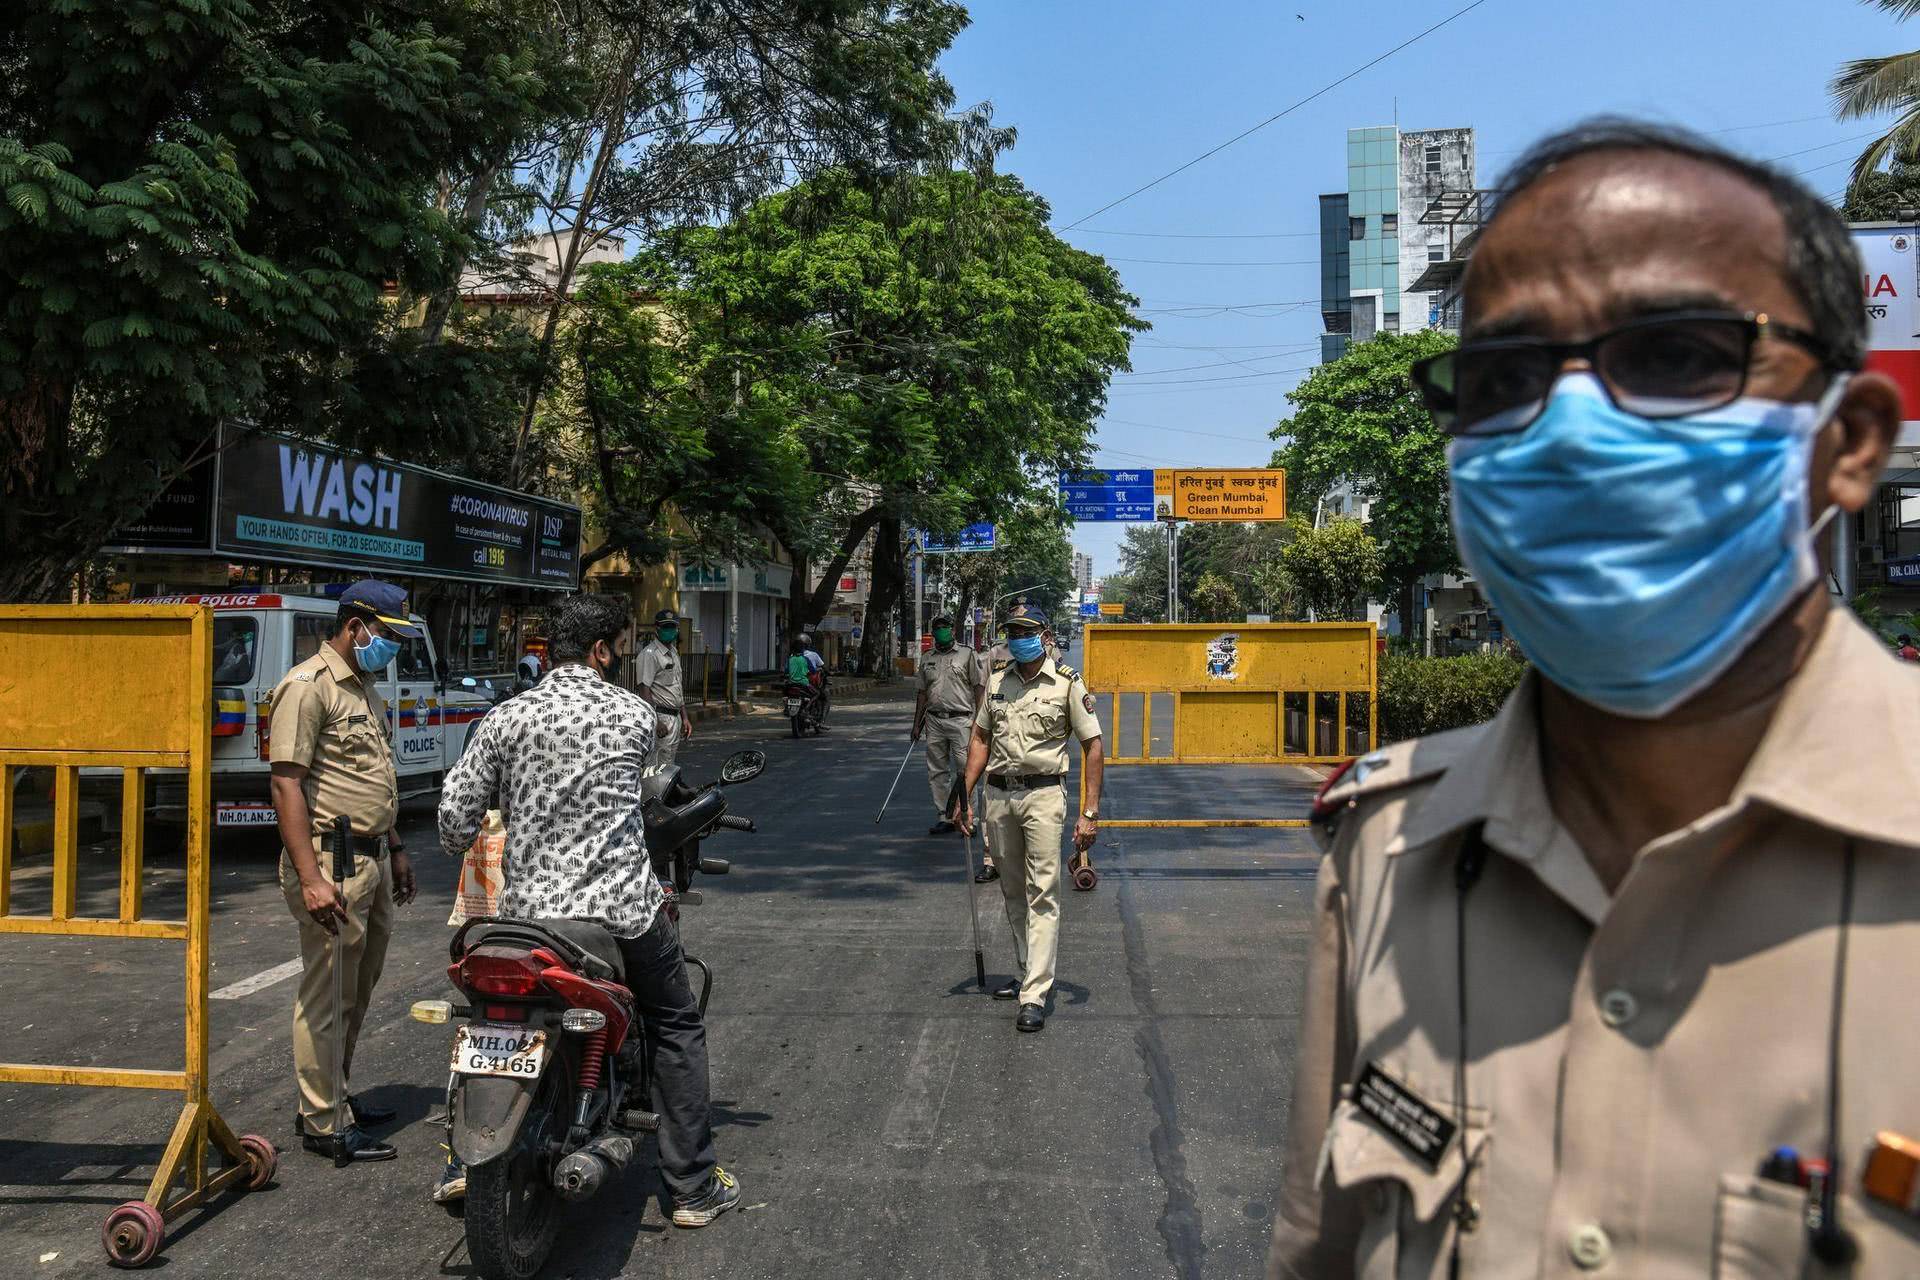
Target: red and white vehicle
257, 639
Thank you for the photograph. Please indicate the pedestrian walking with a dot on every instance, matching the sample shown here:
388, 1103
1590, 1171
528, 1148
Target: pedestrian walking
953, 683
331, 758
656, 677
1033, 707
1622, 981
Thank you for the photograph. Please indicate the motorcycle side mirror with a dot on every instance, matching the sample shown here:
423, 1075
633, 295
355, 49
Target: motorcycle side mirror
743, 766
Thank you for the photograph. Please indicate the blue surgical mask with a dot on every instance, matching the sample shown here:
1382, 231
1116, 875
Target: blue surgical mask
1633, 559
376, 653
1025, 648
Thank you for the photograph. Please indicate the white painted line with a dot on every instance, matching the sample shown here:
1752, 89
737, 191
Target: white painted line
923, 1094
258, 982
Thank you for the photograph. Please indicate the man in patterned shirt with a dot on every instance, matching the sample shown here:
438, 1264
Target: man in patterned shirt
564, 760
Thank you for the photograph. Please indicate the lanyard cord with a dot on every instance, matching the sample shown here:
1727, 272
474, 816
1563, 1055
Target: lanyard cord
1471, 861
1829, 1241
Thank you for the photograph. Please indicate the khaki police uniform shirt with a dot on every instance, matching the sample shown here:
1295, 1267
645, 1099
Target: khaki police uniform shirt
330, 718
1027, 721
1630, 1058
657, 673
949, 679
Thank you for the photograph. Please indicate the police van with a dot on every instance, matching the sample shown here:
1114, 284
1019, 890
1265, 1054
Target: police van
257, 639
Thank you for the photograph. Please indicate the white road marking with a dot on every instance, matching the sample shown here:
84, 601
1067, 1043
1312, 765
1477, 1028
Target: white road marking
923, 1094
258, 982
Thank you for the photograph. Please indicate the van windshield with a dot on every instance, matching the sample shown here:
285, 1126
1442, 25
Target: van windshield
234, 642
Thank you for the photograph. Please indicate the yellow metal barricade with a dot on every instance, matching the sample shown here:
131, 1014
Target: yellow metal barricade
1262, 693
127, 687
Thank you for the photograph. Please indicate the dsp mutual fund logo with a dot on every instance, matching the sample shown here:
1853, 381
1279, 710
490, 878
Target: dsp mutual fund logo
326, 487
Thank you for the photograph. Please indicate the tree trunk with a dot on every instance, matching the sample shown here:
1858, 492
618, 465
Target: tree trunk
808, 606
884, 595
440, 306
1412, 617
43, 550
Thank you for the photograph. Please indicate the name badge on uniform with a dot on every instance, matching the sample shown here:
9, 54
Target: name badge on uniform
1420, 1131
357, 719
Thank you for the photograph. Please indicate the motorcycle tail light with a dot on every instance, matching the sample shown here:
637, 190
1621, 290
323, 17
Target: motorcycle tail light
504, 1012
512, 975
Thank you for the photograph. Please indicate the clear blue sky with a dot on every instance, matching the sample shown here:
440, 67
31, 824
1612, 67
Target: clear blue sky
1108, 94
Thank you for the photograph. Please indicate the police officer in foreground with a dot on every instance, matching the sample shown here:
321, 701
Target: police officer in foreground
1622, 982
656, 677
331, 757
953, 683
1033, 706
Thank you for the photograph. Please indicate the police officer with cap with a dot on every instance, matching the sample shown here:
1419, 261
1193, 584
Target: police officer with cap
952, 686
1033, 706
657, 679
331, 758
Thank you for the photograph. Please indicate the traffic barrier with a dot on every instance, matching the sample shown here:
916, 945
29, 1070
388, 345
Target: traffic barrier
1261, 693
126, 687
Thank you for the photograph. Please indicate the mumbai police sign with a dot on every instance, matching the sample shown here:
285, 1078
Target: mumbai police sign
279, 500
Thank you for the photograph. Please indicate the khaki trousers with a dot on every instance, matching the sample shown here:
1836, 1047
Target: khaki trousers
666, 739
947, 739
1026, 827
360, 950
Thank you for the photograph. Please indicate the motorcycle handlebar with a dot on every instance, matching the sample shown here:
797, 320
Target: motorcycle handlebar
736, 824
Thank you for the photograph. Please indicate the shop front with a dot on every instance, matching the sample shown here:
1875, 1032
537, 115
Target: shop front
708, 591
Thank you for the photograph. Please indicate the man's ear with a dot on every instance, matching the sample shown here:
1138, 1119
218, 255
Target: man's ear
1853, 456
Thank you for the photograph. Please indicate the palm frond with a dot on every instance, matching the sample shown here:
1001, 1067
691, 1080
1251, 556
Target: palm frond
1868, 86
1902, 142
1898, 8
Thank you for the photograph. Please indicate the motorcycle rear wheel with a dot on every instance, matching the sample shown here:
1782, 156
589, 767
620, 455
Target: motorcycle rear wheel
512, 1213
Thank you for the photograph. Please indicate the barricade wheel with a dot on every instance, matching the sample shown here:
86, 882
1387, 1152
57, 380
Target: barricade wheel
262, 1159
1084, 876
133, 1233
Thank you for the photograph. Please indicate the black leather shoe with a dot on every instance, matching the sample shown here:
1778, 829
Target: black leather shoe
1007, 990
350, 1146
941, 828
987, 874
1032, 1018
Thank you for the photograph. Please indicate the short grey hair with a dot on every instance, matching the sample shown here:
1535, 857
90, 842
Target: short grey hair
1822, 264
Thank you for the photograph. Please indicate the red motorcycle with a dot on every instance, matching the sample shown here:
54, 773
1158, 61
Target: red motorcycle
550, 1071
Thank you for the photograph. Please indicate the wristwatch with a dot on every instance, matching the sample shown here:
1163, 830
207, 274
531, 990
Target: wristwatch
1091, 815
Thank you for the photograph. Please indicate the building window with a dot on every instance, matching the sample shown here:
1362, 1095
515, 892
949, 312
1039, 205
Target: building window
1389, 224
1433, 161
1356, 228
1436, 252
1391, 322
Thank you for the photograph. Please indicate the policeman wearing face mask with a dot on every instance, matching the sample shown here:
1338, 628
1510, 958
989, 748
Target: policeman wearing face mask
1621, 982
656, 677
332, 758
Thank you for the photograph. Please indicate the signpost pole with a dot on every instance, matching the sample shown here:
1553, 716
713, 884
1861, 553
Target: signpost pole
919, 598
733, 625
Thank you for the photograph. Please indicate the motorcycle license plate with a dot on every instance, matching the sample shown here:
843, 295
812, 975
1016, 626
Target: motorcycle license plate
496, 1049
793, 706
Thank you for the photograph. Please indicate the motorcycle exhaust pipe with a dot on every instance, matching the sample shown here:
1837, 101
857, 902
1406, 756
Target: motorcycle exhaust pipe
581, 1175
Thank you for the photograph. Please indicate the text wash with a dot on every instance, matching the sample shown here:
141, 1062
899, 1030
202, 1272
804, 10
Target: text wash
317, 485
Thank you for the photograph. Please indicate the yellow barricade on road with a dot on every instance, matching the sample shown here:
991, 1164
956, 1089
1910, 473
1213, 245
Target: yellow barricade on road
126, 687
1259, 693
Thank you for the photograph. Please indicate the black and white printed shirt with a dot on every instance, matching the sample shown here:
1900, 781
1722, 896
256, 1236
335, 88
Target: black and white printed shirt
563, 763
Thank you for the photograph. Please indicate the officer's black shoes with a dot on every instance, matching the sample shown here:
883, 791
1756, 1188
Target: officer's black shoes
720, 1194
1032, 1018
351, 1145
1007, 990
987, 874
941, 828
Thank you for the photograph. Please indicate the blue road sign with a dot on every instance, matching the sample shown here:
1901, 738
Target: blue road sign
1090, 608
1107, 495
975, 537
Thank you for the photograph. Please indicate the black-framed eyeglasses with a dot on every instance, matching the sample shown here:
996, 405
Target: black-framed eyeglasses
1663, 366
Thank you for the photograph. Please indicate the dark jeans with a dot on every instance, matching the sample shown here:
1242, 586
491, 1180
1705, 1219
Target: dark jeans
677, 1043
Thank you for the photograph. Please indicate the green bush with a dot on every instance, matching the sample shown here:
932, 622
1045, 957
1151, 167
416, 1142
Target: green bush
1419, 696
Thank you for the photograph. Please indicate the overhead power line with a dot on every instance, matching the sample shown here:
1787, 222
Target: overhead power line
1317, 93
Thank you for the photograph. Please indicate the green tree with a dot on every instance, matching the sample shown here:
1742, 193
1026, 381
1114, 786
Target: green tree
1884, 195
203, 202
1875, 86
939, 353
1357, 420
1141, 583
1335, 568
1215, 600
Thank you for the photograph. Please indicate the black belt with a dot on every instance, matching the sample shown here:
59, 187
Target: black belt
1024, 781
371, 846
948, 715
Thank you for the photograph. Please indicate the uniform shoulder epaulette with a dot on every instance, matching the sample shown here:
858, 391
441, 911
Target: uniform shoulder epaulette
305, 677
1001, 664
1066, 671
1389, 769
